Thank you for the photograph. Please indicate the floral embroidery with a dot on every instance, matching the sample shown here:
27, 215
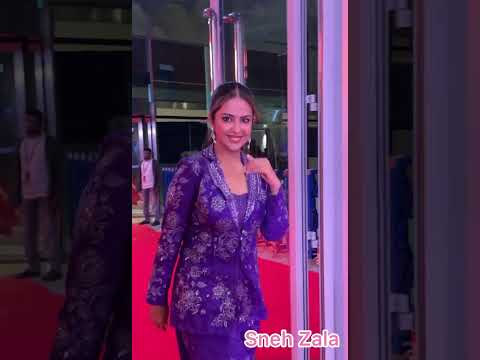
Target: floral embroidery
196, 168
245, 302
224, 225
189, 301
171, 220
200, 224
227, 306
217, 176
254, 181
218, 204
198, 251
226, 245
97, 286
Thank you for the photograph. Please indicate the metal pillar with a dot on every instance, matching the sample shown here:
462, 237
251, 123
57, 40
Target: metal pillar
215, 40
334, 85
239, 46
20, 96
48, 69
297, 167
152, 122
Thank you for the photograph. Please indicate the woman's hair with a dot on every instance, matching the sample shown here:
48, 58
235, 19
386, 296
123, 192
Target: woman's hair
225, 92
230, 90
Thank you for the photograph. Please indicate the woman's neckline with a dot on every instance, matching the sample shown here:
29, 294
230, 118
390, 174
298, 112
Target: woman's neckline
240, 195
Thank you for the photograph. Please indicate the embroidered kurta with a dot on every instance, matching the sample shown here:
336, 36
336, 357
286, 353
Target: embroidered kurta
216, 284
97, 313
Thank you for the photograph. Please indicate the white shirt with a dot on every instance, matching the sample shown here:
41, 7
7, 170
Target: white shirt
147, 174
34, 167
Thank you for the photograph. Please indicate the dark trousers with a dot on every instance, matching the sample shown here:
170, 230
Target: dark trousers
37, 211
148, 197
207, 347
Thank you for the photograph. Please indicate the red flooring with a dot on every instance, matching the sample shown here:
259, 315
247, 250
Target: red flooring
28, 319
149, 343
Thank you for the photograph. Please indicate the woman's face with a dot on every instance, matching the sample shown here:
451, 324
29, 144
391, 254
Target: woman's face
233, 124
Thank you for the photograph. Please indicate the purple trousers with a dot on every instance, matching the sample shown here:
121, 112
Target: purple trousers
217, 347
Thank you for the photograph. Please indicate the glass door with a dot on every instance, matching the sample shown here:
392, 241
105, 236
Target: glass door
255, 38
23, 85
277, 49
402, 288
12, 109
304, 134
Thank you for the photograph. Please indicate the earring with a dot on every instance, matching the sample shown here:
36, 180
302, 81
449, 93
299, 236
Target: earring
212, 135
249, 142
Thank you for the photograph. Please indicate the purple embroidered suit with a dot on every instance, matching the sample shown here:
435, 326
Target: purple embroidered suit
216, 286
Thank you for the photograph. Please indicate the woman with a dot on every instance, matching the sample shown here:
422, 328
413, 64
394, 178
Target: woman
96, 317
216, 203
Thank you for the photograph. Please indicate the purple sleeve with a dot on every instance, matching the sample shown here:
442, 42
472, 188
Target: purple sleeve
178, 207
275, 223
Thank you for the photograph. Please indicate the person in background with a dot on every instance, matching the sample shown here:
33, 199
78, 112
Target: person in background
39, 186
150, 184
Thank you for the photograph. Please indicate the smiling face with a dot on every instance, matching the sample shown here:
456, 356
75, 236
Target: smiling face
232, 124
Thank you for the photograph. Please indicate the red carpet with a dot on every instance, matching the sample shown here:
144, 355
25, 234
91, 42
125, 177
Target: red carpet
28, 319
149, 343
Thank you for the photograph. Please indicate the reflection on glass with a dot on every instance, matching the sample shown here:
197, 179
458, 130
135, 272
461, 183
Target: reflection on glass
181, 94
402, 291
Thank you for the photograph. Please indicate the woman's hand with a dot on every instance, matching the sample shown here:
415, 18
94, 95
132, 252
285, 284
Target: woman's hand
263, 167
159, 315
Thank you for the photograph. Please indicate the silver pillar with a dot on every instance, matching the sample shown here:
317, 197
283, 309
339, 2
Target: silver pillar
152, 123
215, 40
239, 46
335, 173
20, 96
321, 210
297, 167
39, 81
48, 70
141, 140
208, 89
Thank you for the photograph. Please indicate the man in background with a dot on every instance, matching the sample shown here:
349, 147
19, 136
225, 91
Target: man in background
39, 186
149, 182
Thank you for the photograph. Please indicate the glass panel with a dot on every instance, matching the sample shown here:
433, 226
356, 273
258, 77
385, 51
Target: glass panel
85, 14
265, 34
8, 124
10, 231
137, 146
139, 76
313, 205
402, 256
179, 85
266, 45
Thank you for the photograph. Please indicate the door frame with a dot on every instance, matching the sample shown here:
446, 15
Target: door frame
15, 47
